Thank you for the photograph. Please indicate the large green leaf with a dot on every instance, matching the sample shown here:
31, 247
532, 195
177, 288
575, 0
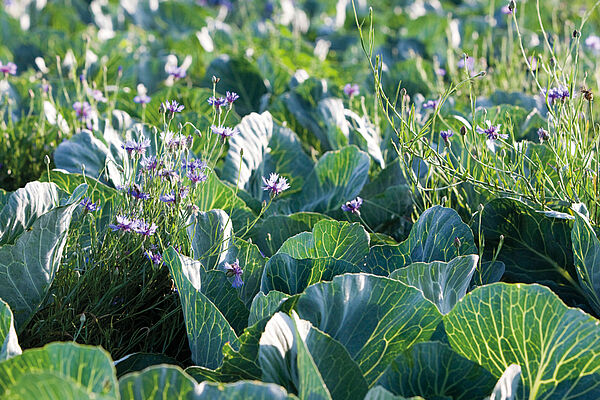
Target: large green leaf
208, 330
296, 355
502, 324
438, 235
379, 393
289, 275
240, 76
210, 234
265, 305
138, 361
335, 239
433, 370
28, 266
24, 207
89, 370
391, 315
273, 231
536, 246
170, 382
586, 251
442, 283
266, 147
8, 334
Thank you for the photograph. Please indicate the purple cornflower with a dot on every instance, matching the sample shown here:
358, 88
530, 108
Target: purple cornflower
533, 63
171, 106
170, 174
82, 109
183, 192
593, 42
123, 224
131, 146
149, 163
431, 104
557, 93
141, 99
491, 131
506, 10
142, 227
231, 97
10, 68
194, 165
89, 205
235, 271
196, 176
136, 192
223, 131
446, 135
97, 95
543, 135
351, 89
175, 71
155, 256
353, 206
469, 63
275, 184
440, 72
167, 198
175, 142
217, 102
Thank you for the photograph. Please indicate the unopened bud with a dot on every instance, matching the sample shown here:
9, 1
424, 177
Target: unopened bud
463, 130
512, 5
215, 80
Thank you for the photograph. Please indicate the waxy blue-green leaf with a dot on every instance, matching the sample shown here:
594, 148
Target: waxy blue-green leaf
508, 385
24, 207
208, 330
135, 362
586, 251
502, 324
273, 231
210, 235
29, 264
391, 315
379, 393
8, 334
433, 370
536, 246
291, 276
267, 147
299, 357
89, 370
264, 305
329, 238
438, 235
170, 382
442, 283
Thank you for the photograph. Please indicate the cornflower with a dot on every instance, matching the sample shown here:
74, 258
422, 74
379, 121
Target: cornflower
234, 270
353, 206
275, 184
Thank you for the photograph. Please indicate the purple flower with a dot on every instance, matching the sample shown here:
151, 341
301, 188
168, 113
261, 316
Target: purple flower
491, 131
431, 104
469, 63
351, 89
136, 192
123, 224
167, 198
506, 10
231, 97
175, 71
446, 135
170, 174
353, 206
89, 205
194, 165
139, 148
543, 135
9, 68
223, 131
83, 110
155, 256
593, 42
149, 163
196, 176
142, 227
557, 93
275, 184
183, 192
217, 102
141, 99
235, 271
171, 106
97, 95
440, 72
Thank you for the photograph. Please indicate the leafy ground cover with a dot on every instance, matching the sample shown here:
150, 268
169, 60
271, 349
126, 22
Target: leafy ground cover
299, 199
